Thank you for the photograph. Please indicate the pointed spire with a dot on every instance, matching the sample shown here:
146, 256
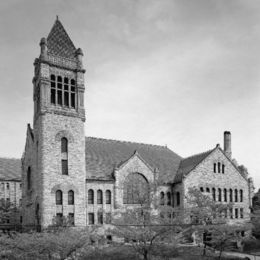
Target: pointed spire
59, 42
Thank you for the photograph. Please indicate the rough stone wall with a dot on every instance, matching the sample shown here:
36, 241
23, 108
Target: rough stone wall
11, 190
95, 208
204, 176
29, 195
53, 128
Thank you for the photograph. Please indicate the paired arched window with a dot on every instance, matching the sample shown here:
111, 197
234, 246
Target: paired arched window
63, 91
214, 194
99, 197
225, 195
90, 197
231, 195
236, 195
136, 189
219, 165
64, 156
219, 195
241, 195
162, 198
178, 199
58, 197
29, 181
169, 201
71, 197
108, 197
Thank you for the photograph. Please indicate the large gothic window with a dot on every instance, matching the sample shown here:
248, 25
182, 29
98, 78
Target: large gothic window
136, 189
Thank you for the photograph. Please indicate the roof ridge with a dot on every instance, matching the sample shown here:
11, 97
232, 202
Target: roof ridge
130, 142
202, 153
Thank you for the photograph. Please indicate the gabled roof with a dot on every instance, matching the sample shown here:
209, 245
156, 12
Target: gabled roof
103, 156
10, 169
59, 42
189, 163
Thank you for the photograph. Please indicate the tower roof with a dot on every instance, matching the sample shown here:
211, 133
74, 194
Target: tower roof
59, 42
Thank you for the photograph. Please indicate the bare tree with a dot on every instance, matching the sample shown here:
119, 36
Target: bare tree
45, 245
142, 226
209, 219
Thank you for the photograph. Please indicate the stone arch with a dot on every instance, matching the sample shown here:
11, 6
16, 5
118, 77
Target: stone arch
65, 188
135, 189
66, 134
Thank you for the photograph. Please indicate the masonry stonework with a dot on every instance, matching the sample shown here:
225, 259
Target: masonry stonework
101, 166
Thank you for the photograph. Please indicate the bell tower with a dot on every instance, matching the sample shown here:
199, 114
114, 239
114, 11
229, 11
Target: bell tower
59, 137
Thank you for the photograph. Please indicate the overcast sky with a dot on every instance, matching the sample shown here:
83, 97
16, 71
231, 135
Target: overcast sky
175, 73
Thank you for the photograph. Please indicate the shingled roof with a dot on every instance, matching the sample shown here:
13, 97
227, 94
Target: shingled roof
189, 163
103, 156
10, 169
59, 42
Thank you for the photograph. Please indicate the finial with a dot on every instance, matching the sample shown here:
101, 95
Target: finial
57, 18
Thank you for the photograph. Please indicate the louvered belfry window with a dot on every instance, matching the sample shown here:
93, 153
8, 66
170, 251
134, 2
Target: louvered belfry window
63, 91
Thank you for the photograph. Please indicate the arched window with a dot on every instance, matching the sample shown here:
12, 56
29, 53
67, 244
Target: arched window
178, 199
108, 197
214, 194
99, 197
241, 195
162, 198
169, 201
219, 195
231, 195
29, 178
236, 195
219, 167
223, 168
64, 155
64, 145
58, 197
136, 189
215, 167
90, 197
207, 189
201, 189
225, 195
71, 197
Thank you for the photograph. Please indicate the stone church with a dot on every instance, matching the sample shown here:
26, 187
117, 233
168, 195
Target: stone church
87, 179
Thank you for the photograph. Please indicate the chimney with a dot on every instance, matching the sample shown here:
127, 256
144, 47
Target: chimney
227, 144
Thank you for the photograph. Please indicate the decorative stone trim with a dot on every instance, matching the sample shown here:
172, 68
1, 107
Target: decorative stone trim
64, 133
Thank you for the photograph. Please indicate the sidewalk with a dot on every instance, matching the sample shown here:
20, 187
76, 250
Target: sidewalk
251, 257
